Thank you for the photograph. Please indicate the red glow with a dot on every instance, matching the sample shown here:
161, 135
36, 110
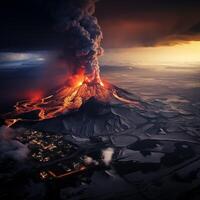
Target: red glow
77, 79
78, 90
34, 95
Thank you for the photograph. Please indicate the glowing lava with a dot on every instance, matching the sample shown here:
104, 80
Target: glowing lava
79, 89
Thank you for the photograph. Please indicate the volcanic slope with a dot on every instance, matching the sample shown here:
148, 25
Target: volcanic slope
95, 118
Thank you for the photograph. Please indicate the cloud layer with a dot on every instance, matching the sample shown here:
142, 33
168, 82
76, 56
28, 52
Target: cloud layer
149, 23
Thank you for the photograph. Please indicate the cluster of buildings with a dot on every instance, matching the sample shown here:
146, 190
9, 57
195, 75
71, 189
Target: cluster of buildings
46, 147
63, 169
54, 156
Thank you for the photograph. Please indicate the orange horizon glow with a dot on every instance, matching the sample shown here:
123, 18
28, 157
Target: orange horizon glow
179, 55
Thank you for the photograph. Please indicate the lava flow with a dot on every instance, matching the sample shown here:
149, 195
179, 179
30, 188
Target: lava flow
70, 97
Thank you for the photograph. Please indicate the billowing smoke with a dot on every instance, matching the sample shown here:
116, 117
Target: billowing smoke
82, 35
10, 147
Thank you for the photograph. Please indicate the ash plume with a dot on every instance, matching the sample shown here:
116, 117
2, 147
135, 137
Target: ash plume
82, 35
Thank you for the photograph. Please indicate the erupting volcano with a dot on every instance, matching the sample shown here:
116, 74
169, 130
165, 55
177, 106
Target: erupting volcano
68, 98
81, 51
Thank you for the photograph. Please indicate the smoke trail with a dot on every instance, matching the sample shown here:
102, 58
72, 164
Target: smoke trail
82, 33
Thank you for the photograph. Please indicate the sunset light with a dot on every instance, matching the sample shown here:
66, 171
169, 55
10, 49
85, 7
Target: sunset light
179, 55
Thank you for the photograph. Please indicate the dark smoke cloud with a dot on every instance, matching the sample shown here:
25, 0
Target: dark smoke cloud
11, 148
83, 34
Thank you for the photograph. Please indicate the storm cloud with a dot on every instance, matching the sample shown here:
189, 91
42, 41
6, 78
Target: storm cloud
132, 23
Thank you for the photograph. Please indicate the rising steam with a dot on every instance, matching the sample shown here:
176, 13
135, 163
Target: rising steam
107, 155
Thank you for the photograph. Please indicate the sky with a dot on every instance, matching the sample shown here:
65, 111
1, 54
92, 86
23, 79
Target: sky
179, 56
129, 23
125, 23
